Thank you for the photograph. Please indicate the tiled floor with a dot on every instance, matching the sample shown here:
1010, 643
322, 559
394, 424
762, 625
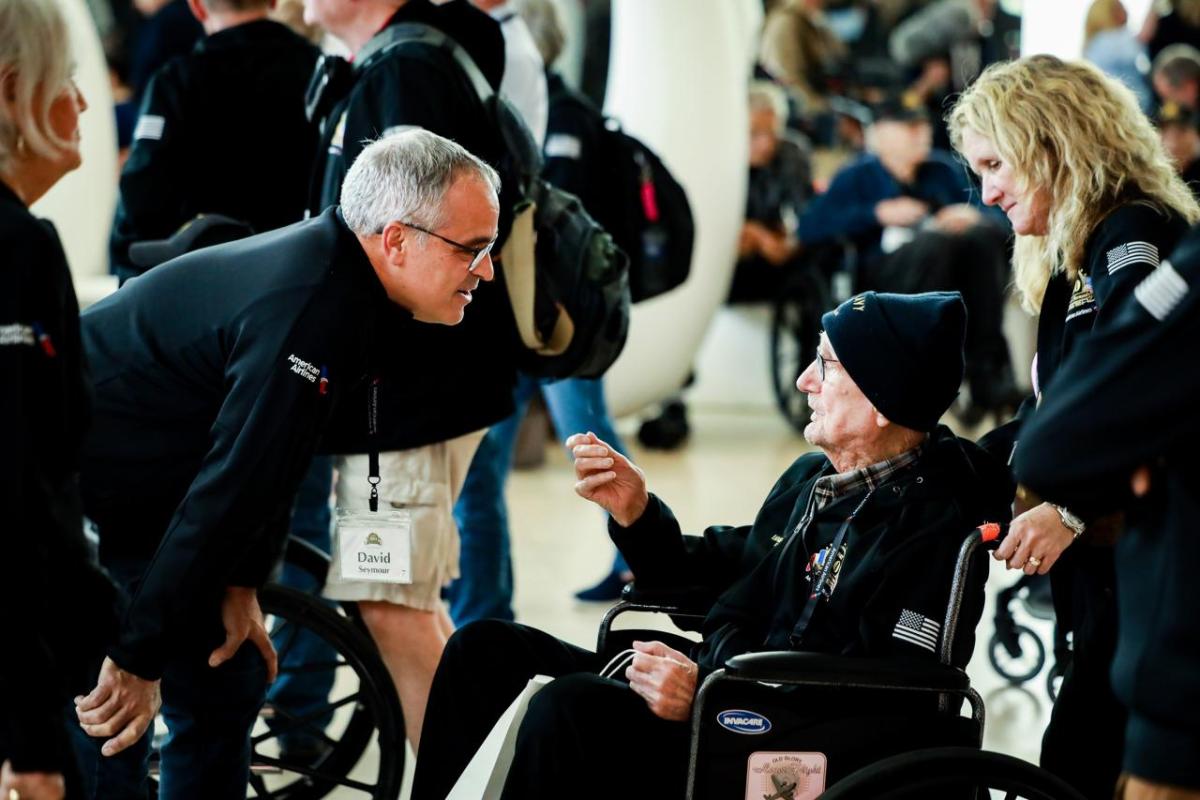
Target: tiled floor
721, 475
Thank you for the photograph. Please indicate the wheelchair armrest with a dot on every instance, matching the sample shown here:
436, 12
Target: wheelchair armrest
678, 600
788, 666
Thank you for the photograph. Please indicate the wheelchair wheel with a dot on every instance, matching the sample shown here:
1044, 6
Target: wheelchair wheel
1054, 679
795, 332
1018, 657
946, 772
361, 708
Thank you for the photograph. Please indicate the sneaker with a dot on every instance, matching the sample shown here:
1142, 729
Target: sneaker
609, 588
666, 431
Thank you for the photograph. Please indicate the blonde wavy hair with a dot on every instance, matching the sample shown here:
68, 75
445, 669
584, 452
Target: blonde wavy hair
1078, 136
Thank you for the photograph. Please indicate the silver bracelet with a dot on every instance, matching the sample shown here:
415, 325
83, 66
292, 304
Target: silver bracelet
1070, 521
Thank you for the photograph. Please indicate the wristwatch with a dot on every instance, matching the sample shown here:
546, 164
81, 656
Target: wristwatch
1076, 525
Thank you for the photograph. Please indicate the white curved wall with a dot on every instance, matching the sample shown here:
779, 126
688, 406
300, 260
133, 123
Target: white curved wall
677, 81
81, 204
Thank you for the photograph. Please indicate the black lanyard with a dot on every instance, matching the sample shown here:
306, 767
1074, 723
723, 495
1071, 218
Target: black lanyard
818, 587
373, 441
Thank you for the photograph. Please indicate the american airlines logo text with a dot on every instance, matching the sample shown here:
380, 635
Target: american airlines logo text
304, 369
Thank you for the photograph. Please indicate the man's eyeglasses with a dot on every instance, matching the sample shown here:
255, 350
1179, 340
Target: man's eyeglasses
477, 253
821, 362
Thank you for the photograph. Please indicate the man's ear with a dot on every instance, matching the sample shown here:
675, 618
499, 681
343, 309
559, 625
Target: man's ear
396, 243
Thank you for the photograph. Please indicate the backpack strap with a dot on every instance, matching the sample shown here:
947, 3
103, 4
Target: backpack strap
419, 33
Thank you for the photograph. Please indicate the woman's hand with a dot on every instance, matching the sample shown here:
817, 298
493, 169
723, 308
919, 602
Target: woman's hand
1035, 540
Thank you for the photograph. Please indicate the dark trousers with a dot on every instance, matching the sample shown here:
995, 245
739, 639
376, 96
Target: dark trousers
582, 737
1085, 740
209, 714
975, 263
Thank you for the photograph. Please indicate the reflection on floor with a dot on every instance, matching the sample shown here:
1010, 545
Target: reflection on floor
721, 476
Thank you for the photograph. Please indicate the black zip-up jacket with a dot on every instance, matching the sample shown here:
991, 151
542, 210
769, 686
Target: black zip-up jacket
1125, 399
215, 375
56, 610
899, 557
471, 367
221, 130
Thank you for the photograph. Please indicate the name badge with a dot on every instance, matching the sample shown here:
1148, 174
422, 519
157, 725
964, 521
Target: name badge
375, 547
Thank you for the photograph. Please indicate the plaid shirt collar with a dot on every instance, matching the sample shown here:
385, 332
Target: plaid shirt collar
832, 487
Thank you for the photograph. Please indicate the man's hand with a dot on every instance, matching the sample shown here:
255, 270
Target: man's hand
120, 708
243, 621
608, 479
664, 678
956, 218
1140, 482
1035, 540
30, 785
750, 240
902, 212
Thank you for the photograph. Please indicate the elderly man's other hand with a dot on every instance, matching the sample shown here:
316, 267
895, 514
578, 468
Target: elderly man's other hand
956, 218
902, 212
664, 678
30, 785
608, 479
243, 620
120, 708
1035, 540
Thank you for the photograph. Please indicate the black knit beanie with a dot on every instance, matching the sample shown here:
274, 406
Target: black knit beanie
905, 351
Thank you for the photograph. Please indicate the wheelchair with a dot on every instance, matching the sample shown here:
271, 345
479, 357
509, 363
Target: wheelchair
784, 725
820, 281
1016, 651
362, 707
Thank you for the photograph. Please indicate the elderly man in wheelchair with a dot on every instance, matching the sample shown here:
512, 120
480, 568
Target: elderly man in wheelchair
853, 553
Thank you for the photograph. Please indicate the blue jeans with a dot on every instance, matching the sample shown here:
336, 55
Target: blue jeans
485, 588
302, 692
209, 715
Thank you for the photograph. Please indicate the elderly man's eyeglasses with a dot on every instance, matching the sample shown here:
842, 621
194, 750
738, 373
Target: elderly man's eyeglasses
477, 253
821, 362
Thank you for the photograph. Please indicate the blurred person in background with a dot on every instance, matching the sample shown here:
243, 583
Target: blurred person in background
57, 610
1177, 127
1095, 204
1112, 46
1170, 22
1176, 75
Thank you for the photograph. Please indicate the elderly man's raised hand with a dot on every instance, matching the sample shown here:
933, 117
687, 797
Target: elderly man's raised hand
664, 678
608, 479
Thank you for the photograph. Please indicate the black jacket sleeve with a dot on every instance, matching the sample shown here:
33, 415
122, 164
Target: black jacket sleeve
151, 204
222, 531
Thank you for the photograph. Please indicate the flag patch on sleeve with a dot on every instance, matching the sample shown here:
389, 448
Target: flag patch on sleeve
1131, 253
917, 629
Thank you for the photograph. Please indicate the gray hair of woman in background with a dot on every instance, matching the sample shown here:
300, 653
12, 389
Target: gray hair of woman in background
35, 67
405, 176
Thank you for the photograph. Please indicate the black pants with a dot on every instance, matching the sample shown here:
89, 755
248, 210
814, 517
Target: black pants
975, 263
582, 737
1085, 740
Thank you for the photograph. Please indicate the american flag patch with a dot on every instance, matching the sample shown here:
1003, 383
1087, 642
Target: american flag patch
917, 629
1131, 253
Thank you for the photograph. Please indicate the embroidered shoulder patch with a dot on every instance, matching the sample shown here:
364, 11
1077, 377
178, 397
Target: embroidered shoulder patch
150, 127
917, 629
1131, 253
1161, 291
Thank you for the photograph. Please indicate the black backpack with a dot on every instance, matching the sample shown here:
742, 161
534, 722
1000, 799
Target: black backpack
637, 200
568, 283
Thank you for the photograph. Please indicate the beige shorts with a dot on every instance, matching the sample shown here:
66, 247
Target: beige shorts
426, 481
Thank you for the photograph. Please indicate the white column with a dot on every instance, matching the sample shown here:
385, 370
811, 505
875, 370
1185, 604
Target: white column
677, 81
81, 204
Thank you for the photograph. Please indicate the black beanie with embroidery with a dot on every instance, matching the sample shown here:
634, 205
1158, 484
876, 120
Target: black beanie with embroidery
904, 351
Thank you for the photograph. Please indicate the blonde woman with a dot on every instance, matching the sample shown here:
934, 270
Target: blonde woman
1095, 204
48, 638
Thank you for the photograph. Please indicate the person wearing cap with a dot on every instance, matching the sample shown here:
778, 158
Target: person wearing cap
1095, 204
911, 214
216, 376
1177, 125
874, 521
1133, 450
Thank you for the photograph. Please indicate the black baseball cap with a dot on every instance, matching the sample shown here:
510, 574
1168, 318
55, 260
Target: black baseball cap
1172, 113
900, 107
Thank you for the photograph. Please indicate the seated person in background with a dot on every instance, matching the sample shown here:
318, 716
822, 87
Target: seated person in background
1177, 127
905, 207
870, 528
780, 186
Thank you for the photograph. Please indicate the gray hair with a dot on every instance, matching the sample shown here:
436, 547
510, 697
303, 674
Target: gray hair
404, 175
541, 17
1178, 63
35, 66
766, 96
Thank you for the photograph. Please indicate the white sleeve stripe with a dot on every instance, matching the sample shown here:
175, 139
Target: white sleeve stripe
1162, 291
150, 126
562, 145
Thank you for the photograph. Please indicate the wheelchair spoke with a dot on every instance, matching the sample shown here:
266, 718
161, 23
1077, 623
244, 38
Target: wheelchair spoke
261, 792
293, 722
313, 772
